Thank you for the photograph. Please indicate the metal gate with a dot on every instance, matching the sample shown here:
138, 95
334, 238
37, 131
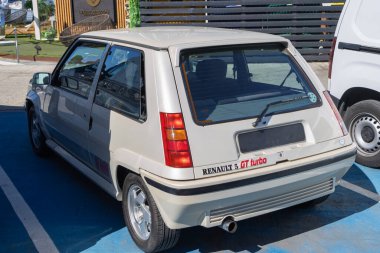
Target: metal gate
309, 24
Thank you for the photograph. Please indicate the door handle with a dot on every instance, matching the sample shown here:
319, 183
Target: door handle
90, 124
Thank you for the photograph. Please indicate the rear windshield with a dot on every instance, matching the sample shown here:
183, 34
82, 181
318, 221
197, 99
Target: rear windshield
227, 84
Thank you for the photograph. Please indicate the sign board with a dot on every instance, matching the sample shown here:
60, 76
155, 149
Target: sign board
83, 9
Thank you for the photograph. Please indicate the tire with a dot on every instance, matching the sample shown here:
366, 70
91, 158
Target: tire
363, 122
143, 218
37, 138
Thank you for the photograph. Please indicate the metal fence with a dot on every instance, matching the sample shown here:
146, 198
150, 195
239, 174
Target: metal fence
309, 24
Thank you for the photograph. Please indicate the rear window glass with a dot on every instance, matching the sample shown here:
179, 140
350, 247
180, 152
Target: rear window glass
226, 84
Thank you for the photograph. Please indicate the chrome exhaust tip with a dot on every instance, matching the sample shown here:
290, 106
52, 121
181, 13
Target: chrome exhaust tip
229, 225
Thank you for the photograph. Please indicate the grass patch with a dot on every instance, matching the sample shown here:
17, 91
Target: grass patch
26, 48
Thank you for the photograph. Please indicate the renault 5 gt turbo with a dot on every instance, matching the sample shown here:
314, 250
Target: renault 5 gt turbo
191, 126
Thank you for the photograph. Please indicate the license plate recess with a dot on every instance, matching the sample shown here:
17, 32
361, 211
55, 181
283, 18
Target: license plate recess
271, 137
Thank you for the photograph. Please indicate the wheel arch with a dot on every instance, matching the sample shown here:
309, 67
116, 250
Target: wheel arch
354, 95
28, 104
32, 100
121, 173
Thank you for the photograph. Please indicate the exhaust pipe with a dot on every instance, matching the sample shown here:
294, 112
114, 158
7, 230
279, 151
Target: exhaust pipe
229, 225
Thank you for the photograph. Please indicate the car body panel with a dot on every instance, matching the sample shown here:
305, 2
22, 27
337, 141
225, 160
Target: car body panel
180, 210
356, 68
161, 38
104, 143
223, 137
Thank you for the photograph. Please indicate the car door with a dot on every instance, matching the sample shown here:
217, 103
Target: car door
68, 100
119, 106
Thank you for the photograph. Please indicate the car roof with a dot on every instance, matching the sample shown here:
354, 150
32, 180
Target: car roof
165, 36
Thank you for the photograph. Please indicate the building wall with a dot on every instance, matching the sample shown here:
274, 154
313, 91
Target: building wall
121, 13
309, 24
64, 14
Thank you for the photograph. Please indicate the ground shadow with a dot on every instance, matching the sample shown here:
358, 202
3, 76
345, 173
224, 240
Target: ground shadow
357, 177
6, 108
77, 214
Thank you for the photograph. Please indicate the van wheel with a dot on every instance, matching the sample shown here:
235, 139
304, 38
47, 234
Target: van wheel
37, 138
143, 219
363, 122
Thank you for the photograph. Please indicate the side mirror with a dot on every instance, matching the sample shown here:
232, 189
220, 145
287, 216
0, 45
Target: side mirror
41, 78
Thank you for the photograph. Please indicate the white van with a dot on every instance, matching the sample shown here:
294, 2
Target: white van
354, 76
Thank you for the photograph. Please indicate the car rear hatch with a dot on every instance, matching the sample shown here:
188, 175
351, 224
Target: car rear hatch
250, 106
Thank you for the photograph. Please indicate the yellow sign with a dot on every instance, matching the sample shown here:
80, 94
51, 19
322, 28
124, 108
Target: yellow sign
93, 3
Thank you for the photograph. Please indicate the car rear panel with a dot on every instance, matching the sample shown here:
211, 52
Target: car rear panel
222, 146
221, 152
208, 201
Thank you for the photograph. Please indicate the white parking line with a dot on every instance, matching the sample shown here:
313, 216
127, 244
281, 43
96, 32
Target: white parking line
360, 190
37, 233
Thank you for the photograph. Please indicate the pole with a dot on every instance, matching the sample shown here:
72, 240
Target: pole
36, 17
17, 55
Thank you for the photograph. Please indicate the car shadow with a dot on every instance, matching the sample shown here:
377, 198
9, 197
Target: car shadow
357, 177
9, 108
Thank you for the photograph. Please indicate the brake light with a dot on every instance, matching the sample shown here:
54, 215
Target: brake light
331, 56
336, 112
176, 144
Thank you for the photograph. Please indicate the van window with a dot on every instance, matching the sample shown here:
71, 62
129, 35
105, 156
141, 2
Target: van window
120, 87
226, 84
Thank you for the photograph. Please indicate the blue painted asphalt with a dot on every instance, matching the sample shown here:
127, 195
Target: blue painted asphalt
80, 217
12, 233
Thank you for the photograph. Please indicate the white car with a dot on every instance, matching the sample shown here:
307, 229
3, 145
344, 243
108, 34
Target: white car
191, 126
354, 76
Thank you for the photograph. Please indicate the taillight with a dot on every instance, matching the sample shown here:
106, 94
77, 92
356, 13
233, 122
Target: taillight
176, 144
336, 112
331, 56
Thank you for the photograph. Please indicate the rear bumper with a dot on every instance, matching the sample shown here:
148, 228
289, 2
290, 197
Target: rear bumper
243, 195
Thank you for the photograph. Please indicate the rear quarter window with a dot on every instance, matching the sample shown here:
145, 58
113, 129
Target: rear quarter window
121, 83
227, 84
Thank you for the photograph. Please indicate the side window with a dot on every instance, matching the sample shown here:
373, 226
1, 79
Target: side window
121, 84
78, 71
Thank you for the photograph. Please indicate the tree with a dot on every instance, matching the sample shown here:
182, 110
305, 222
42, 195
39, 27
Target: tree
45, 10
134, 13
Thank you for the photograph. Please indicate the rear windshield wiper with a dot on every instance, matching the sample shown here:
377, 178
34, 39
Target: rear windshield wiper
285, 101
